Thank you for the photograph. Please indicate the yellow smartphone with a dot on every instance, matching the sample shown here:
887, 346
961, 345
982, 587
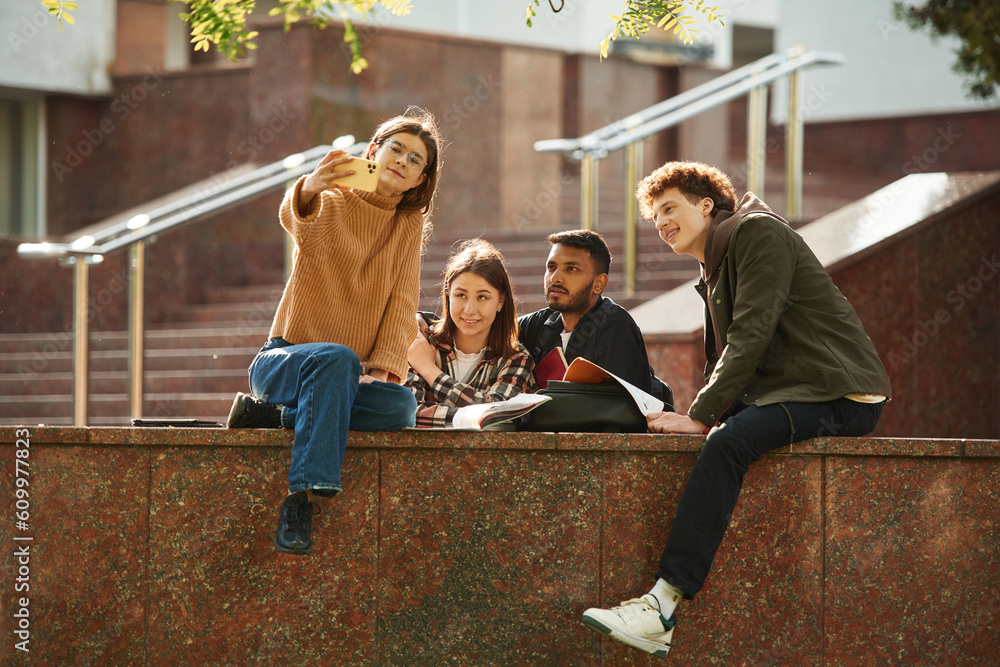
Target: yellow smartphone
365, 176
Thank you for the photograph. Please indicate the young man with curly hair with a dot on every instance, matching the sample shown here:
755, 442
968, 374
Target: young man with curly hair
787, 360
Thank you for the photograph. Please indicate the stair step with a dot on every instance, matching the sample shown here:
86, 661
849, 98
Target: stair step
113, 408
110, 382
20, 364
267, 293
236, 314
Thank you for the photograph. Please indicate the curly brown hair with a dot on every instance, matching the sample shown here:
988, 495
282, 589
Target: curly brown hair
695, 181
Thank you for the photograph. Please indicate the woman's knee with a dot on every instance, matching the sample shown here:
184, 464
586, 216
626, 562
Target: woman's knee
327, 356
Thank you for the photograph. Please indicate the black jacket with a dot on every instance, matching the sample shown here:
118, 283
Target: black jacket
607, 335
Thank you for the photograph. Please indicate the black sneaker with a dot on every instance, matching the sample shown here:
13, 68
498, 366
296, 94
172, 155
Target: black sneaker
295, 525
250, 412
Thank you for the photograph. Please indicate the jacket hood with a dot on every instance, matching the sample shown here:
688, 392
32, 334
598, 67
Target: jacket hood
721, 231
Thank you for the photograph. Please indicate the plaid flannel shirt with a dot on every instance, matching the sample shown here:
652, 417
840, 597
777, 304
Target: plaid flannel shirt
495, 378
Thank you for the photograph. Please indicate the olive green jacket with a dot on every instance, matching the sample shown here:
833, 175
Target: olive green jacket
777, 329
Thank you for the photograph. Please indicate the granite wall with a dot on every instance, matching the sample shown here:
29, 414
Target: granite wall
153, 546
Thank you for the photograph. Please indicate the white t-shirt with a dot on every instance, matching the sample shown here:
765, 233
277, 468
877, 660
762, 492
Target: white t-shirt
466, 363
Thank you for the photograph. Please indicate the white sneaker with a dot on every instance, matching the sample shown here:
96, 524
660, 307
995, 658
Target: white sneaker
637, 623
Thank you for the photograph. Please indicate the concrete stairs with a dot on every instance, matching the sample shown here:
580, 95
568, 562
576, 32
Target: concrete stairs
196, 359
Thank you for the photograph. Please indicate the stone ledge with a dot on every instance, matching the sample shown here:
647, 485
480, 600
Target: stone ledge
154, 546
490, 440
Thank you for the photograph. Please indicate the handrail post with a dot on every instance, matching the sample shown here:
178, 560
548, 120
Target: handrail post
793, 149
756, 137
633, 162
136, 329
588, 191
81, 335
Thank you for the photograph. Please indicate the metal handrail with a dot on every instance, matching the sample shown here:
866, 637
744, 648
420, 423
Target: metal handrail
132, 233
730, 92
630, 131
231, 192
594, 140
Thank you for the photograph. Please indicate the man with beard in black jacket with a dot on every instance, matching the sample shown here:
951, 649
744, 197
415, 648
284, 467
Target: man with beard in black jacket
583, 322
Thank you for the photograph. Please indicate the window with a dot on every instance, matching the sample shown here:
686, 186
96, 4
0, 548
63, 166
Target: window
21, 177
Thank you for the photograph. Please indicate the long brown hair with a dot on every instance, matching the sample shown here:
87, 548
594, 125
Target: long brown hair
420, 123
483, 259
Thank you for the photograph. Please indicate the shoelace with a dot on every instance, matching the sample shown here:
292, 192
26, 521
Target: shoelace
296, 515
636, 608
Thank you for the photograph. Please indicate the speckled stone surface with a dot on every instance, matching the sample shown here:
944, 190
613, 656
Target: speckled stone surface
220, 590
913, 571
88, 556
153, 546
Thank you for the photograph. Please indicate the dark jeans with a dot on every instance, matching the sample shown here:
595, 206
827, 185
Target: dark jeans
710, 496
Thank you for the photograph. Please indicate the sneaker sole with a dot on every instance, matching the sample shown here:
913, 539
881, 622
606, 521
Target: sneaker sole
294, 552
652, 648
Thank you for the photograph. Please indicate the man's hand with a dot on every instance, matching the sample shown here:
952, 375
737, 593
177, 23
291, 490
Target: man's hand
671, 422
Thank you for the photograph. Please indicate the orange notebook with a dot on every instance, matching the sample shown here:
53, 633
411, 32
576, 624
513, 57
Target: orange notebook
552, 367
587, 372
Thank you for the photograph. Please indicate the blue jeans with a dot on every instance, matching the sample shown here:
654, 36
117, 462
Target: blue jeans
710, 496
316, 385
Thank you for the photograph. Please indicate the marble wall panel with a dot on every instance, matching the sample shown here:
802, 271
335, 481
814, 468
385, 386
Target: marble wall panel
500, 580
219, 593
84, 568
911, 568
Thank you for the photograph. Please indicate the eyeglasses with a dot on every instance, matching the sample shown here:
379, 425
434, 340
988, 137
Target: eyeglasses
414, 161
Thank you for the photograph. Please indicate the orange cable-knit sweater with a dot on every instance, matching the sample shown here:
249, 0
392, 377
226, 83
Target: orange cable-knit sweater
355, 275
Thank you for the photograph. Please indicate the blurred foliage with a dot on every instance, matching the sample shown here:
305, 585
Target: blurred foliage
637, 18
61, 10
976, 23
223, 23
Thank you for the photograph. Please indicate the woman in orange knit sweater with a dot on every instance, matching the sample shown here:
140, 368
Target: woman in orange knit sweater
336, 357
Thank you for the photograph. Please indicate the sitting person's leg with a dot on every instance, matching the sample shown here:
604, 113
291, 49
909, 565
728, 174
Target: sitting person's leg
383, 406
315, 384
707, 504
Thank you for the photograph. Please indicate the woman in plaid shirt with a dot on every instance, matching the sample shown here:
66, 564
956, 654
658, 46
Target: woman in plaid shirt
472, 355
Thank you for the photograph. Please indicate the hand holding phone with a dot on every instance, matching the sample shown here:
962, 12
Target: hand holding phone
365, 176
